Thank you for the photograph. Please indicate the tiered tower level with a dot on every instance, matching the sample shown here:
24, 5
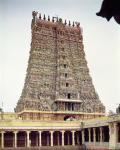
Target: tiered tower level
57, 85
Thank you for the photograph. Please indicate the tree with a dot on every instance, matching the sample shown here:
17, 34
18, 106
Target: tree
109, 9
110, 113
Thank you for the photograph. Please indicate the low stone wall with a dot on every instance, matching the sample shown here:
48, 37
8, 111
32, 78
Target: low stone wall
47, 148
97, 146
118, 146
57, 148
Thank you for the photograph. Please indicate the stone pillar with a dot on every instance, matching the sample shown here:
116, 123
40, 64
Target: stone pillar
48, 140
37, 138
101, 135
94, 135
68, 142
83, 136
73, 138
63, 138
51, 134
89, 135
28, 139
63, 106
15, 139
113, 134
78, 139
2, 139
58, 138
40, 139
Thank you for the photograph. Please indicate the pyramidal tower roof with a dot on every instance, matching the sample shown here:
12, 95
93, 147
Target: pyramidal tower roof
58, 78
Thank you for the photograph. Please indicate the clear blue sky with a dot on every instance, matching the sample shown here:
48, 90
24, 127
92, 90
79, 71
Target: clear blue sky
100, 38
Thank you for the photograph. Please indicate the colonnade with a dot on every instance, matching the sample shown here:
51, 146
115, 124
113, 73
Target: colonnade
95, 134
38, 138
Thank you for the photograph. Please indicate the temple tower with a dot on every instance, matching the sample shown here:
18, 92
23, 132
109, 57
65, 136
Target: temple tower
57, 85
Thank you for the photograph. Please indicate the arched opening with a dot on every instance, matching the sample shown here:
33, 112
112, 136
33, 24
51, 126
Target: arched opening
0, 139
8, 139
106, 134
78, 138
45, 138
57, 138
69, 106
69, 118
118, 132
72, 106
68, 138
97, 134
91, 134
86, 135
21, 139
34, 138
69, 96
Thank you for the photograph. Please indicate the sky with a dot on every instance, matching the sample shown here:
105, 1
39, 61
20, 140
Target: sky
100, 40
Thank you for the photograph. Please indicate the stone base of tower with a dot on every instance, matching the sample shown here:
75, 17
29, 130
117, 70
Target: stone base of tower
57, 115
